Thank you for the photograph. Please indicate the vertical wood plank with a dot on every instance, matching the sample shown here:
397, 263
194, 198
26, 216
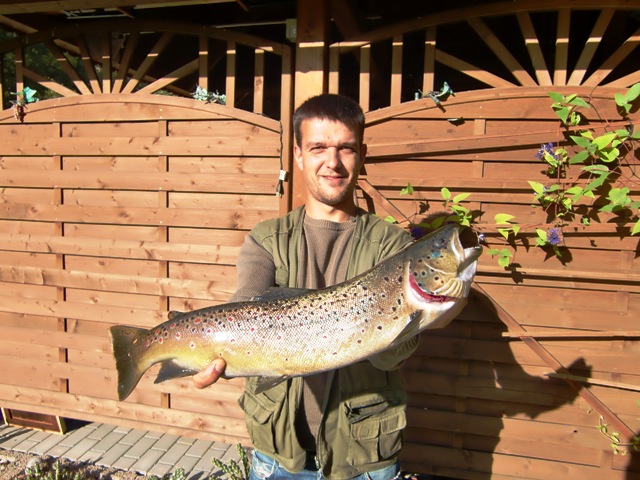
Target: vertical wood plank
63, 61
590, 47
334, 69
365, 77
505, 56
203, 62
286, 107
106, 63
150, 59
258, 82
125, 61
533, 47
428, 78
231, 74
396, 70
562, 47
19, 59
614, 60
58, 198
311, 58
87, 62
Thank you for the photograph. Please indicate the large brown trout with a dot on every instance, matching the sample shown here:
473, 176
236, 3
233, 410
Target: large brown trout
277, 337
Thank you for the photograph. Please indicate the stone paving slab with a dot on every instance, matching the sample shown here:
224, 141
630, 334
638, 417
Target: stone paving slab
123, 448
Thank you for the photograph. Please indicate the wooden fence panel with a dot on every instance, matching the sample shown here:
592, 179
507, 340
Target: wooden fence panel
480, 400
107, 223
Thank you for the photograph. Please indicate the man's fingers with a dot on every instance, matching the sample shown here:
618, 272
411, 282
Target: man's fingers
210, 374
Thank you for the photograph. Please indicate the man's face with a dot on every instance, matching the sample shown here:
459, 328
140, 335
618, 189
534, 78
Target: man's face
330, 157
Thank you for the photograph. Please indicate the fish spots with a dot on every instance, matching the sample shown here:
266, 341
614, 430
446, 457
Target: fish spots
379, 327
178, 335
172, 326
197, 320
192, 345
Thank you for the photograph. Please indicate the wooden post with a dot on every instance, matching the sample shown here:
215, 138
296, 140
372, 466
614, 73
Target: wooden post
311, 65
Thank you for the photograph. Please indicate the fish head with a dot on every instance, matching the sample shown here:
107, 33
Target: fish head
438, 271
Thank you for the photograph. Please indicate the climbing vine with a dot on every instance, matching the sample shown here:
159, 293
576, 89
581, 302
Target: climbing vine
587, 178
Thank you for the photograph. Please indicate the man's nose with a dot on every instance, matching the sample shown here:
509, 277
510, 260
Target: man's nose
333, 158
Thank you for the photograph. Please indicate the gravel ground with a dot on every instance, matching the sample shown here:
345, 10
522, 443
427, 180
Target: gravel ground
13, 465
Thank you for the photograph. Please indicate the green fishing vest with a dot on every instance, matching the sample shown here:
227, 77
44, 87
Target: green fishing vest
364, 410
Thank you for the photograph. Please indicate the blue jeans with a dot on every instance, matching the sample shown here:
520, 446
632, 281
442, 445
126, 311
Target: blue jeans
264, 467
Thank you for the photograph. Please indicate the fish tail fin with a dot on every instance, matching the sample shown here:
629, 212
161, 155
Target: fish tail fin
128, 366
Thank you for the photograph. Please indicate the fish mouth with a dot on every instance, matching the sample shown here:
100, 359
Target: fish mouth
468, 251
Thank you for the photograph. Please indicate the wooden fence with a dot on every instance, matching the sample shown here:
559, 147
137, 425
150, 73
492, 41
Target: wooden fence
117, 206
151, 224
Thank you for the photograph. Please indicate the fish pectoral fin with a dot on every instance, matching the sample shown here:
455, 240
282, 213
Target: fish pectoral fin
265, 383
170, 369
411, 330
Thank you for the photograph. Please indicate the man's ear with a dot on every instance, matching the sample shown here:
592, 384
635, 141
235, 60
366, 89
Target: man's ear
297, 155
363, 154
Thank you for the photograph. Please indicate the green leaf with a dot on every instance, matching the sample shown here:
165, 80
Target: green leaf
603, 140
437, 222
503, 218
620, 100
537, 187
581, 141
636, 228
579, 102
446, 194
390, 219
541, 234
460, 198
633, 93
609, 155
597, 169
556, 97
563, 114
503, 262
408, 190
579, 157
504, 232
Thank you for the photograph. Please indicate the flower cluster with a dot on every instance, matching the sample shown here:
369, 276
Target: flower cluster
554, 236
546, 148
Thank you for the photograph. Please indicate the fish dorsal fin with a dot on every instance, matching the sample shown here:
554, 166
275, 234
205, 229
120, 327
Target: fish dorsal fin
277, 293
173, 314
170, 369
265, 383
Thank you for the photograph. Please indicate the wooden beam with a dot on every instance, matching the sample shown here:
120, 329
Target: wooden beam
501, 51
590, 48
36, 6
311, 66
562, 47
533, 46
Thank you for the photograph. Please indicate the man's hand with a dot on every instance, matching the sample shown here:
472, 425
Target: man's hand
210, 374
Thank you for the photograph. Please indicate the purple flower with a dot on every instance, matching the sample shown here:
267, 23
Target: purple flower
554, 236
546, 148
417, 232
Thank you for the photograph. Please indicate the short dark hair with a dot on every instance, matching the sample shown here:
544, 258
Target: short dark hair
332, 107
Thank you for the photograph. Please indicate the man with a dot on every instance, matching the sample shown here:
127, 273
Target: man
345, 423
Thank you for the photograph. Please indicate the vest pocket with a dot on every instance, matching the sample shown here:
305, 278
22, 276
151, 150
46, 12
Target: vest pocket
260, 413
375, 431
